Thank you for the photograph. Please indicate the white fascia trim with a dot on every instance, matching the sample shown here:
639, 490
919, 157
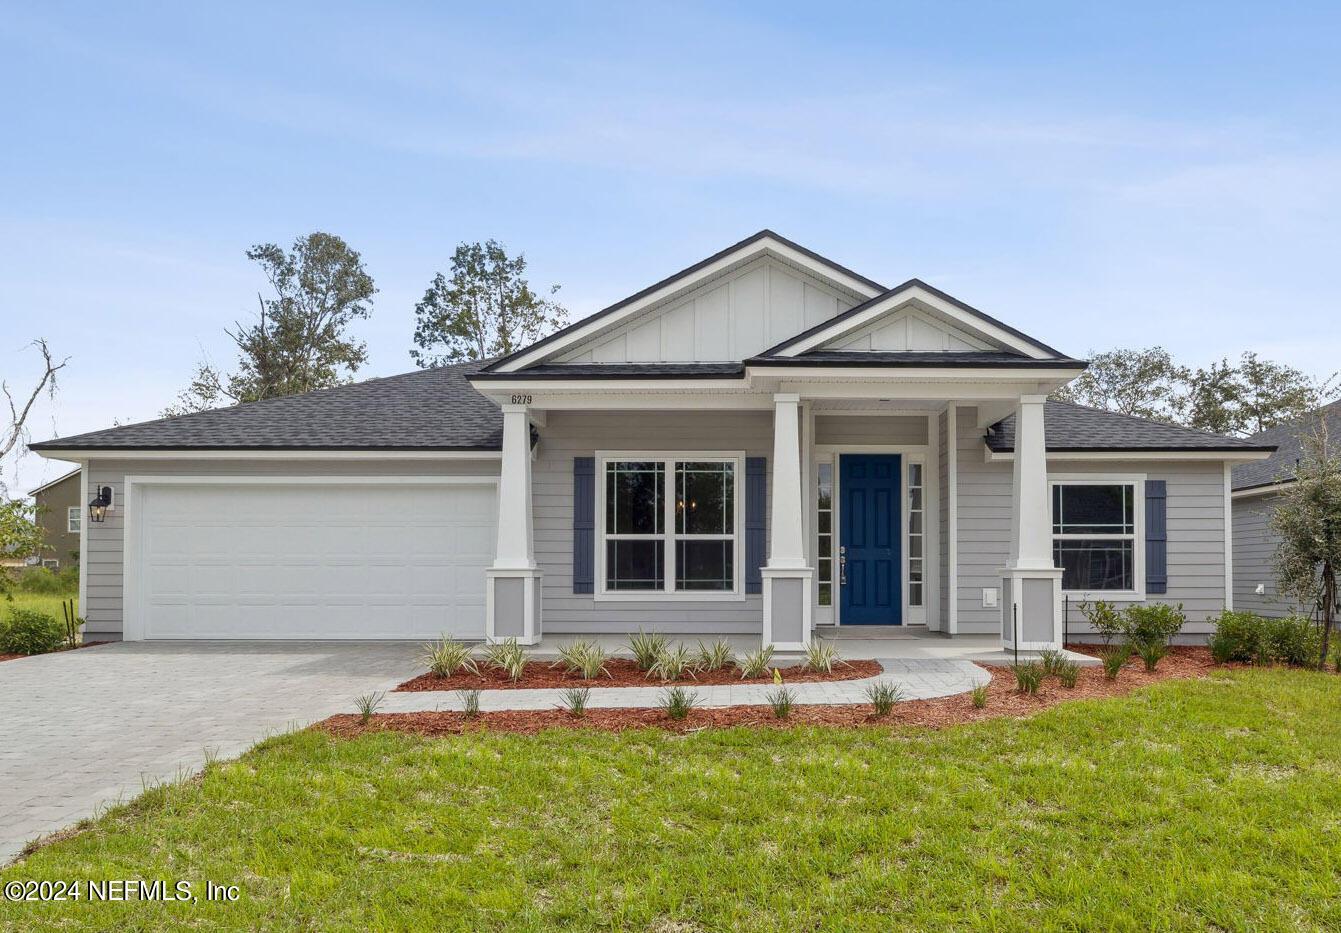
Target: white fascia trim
1256, 491
1229, 456
250, 479
973, 325
758, 247
84, 456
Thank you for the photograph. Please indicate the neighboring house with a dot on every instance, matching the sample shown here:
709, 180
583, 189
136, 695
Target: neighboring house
1256, 486
59, 513
763, 443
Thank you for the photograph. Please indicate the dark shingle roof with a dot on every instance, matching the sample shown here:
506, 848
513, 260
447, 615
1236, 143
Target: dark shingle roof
1280, 465
431, 409
1075, 427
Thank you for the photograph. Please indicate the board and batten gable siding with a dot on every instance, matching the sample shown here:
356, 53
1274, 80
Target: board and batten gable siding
729, 318
105, 542
856, 430
569, 434
1254, 556
1196, 532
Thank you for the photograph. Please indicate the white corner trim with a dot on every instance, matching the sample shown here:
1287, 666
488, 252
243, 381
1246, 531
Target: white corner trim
83, 541
952, 519
1229, 538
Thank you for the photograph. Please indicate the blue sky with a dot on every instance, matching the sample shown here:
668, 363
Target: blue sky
1137, 174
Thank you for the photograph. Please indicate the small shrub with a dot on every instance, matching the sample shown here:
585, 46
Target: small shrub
446, 657
507, 656
714, 656
1235, 637
574, 699
470, 702
1028, 677
1153, 624
1296, 640
584, 657
1104, 618
368, 704
755, 663
883, 695
980, 696
30, 631
647, 648
1152, 653
677, 702
1051, 661
1114, 659
782, 701
822, 657
1068, 673
671, 663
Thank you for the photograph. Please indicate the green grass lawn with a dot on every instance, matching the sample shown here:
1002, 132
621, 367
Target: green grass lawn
1212, 804
47, 604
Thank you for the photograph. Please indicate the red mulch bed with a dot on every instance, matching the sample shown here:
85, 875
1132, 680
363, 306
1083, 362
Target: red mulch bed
87, 644
1003, 700
623, 673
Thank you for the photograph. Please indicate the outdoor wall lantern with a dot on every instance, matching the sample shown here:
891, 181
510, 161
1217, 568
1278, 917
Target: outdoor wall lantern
97, 509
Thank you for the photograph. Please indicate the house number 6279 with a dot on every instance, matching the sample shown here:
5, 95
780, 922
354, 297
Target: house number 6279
521, 399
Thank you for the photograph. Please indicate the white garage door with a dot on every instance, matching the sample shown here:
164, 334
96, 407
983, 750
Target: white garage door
322, 560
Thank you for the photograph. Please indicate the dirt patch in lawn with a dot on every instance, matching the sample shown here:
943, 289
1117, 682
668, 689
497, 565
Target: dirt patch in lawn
1002, 700
623, 673
14, 657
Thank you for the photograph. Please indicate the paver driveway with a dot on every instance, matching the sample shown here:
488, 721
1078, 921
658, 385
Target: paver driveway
79, 729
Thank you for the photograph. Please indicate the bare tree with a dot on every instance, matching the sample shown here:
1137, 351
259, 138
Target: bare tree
15, 431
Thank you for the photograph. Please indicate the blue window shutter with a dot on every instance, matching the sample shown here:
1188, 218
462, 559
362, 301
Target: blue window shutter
1156, 536
584, 524
756, 526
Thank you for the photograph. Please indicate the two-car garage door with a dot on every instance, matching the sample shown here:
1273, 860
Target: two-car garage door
328, 559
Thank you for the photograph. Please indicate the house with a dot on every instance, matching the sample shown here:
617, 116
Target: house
1255, 487
59, 515
763, 443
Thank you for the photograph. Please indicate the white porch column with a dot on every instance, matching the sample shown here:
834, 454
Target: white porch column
512, 594
1031, 617
787, 580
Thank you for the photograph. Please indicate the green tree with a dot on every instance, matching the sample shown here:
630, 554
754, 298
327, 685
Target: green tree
1146, 383
485, 308
20, 537
1249, 397
298, 341
1307, 519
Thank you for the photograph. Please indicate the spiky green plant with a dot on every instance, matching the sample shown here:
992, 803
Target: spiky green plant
822, 657
1068, 673
584, 657
507, 656
368, 704
782, 700
1151, 653
677, 702
671, 664
1114, 658
470, 702
979, 696
1028, 676
445, 657
714, 656
1052, 661
883, 695
646, 648
574, 699
755, 663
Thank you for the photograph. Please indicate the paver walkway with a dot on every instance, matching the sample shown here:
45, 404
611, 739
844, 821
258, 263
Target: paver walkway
920, 678
80, 729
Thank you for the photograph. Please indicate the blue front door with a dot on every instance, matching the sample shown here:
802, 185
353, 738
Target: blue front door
870, 556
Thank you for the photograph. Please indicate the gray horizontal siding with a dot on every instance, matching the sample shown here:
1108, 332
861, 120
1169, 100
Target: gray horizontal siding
1254, 555
103, 562
1196, 529
908, 430
582, 434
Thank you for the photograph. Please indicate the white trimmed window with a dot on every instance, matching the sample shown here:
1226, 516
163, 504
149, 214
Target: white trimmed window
72, 519
670, 525
1096, 535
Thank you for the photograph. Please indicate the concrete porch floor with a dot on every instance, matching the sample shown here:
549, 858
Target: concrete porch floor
854, 642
